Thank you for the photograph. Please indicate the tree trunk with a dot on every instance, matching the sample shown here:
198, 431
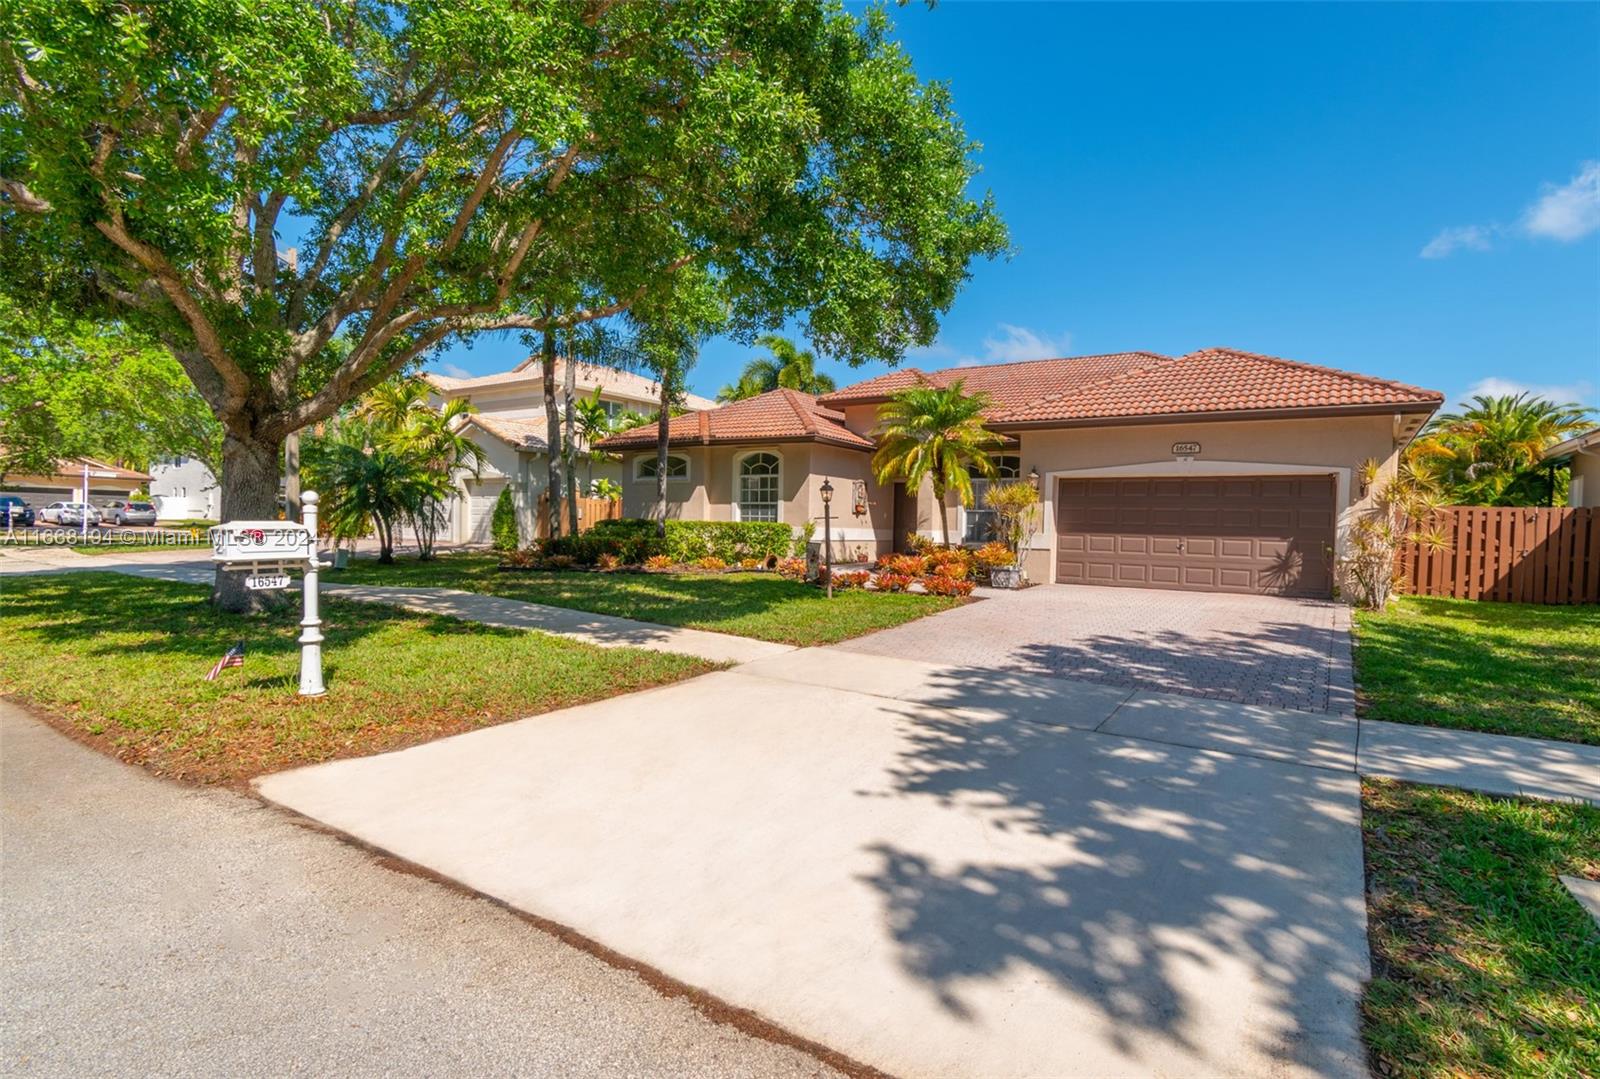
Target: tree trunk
944, 514
552, 430
569, 443
664, 415
249, 493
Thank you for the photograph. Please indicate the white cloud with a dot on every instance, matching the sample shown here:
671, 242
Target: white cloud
1458, 238
1569, 212
1565, 213
1582, 391
1014, 343
451, 370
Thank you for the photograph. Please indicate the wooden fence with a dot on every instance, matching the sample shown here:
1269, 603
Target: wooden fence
590, 510
1511, 554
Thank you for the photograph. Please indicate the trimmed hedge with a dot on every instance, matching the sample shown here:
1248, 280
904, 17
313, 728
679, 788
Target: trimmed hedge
633, 541
731, 541
503, 525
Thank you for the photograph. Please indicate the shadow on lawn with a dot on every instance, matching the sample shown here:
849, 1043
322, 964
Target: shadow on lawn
82, 608
1139, 879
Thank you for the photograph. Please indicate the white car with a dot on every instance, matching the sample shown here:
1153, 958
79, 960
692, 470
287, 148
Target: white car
69, 513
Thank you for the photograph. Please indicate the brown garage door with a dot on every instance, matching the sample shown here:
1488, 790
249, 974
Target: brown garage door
1258, 534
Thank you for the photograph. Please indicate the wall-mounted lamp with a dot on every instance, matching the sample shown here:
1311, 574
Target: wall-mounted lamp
1033, 476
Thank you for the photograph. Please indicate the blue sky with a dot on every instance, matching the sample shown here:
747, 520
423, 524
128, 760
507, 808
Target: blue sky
1411, 191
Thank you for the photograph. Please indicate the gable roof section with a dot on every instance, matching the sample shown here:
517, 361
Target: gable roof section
1010, 384
522, 434
781, 415
589, 377
1218, 381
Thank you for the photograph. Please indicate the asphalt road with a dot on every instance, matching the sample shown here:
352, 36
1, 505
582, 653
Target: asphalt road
148, 928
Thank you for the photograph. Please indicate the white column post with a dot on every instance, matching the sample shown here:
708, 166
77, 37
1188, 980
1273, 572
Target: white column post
83, 514
311, 620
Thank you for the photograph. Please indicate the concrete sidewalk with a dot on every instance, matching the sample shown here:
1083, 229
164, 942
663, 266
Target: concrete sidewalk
154, 929
1492, 763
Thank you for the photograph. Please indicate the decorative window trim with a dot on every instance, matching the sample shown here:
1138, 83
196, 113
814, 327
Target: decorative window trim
738, 483
643, 459
969, 517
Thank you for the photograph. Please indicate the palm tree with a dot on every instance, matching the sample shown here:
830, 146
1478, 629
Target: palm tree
935, 432
789, 367
370, 483
594, 423
1489, 453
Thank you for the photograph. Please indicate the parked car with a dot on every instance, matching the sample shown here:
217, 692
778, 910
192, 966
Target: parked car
14, 512
69, 513
122, 512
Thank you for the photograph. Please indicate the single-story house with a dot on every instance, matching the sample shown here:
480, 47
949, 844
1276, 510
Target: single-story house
1220, 470
510, 431
76, 479
1581, 454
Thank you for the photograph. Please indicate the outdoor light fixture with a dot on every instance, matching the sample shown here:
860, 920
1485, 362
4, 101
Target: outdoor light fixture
1033, 475
827, 531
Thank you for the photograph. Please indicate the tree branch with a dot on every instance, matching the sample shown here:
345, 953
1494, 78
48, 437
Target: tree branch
22, 198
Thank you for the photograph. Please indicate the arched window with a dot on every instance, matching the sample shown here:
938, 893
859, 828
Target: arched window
980, 518
758, 487
644, 468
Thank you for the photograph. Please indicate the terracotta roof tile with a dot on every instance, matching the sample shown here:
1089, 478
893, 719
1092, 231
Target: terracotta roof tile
589, 377
776, 415
1217, 380
1010, 384
524, 434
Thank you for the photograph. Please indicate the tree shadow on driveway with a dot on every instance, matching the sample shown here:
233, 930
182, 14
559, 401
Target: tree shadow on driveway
1195, 911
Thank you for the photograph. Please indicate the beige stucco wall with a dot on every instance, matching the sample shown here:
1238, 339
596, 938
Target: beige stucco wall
708, 493
1336, 445
1585, 489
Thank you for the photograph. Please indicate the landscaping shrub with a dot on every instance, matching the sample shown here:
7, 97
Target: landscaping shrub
793, 568
727, 540
941, 584
953, 571
993, 554
750, 563
658, 561
903, 565
893, 582
523, 559
560, 561
851, 580
710, 562
608, 561
503, 525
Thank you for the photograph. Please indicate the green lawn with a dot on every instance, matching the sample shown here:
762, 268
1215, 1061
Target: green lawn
1483, 963
1509, 668
122, 661
761, 605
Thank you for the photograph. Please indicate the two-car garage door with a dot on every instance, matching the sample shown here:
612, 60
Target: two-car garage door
1256, 534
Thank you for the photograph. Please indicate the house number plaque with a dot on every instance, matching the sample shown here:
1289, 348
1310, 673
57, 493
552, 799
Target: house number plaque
1185, 449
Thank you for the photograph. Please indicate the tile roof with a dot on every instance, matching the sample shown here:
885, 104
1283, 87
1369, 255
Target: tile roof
589, 377
1216, 380
524, 434
777, 415
1010, 384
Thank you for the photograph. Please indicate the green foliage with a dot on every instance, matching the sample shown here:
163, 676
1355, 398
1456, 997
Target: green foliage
70, 388
503, 526
789, 367
1483, 964
731, 541
453, 169
605, 488
1489, 453
802, 539
1504, 668
1016, 504
934, 432
392, 461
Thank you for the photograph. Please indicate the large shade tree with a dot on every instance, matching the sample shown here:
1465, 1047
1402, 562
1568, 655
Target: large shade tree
301, 197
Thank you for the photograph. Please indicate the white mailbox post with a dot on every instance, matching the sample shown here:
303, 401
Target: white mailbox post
266, 551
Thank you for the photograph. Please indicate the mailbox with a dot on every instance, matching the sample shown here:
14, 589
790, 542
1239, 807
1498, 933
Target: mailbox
250, 542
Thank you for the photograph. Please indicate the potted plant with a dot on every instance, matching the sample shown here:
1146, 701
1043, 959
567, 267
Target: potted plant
1016, 510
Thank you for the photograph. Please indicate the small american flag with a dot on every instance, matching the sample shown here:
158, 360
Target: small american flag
233, 657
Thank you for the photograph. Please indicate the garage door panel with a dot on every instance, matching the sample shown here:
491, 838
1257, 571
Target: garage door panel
1235, 533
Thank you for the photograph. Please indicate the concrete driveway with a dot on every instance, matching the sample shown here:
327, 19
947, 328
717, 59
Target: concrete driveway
933, 869
1262, 650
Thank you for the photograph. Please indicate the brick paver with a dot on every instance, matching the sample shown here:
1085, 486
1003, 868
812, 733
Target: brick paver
1267, 650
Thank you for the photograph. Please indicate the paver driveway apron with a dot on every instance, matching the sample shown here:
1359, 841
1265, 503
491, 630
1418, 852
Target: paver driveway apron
933, 869
1265, 650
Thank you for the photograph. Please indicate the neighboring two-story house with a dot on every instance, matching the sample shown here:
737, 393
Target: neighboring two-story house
509, 427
